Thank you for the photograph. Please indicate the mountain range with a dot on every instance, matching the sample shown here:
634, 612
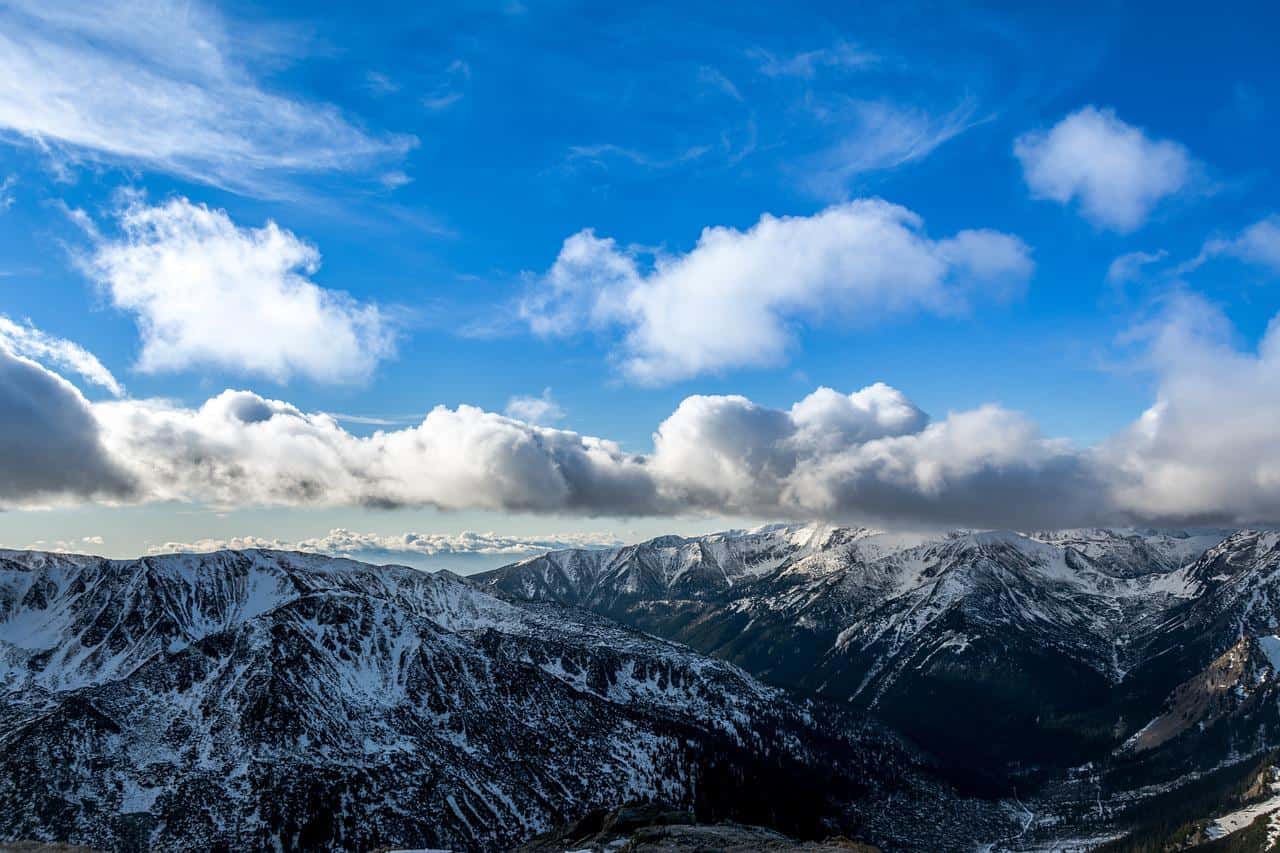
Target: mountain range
1025, 662
993, 690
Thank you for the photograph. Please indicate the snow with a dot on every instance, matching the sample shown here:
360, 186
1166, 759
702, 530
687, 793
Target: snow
1242, 818
1270, 646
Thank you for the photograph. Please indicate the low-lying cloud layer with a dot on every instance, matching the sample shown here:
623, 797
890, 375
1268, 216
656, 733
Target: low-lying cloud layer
1203, 452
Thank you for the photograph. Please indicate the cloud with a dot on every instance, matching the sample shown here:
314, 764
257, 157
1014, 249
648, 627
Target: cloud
842, 56
535, 410
601, 154
241, 449
34, 344
50, 446
1128, 267
857, 262
871, 455
350, 543
1112, 170
1257, 244
449, 88
1207, 449
209, 293
169, 86
716, 80
7, 196
877, 136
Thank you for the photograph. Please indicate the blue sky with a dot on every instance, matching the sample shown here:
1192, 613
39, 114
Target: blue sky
431, 165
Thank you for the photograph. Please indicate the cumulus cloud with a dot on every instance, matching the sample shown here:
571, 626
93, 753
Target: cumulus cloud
871, 454
535, 410
1114, 171
169, 85
1207, 449
207, 292
856, 262
242, 449
50, 447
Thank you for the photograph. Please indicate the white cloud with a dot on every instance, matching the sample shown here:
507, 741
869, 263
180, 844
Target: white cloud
535, 410
168, 85
207, 292
34, 344
1207, 449
448, 89
841, 56
6, 191
1258, 244
880, 135
1129, 267
1113, 170
857, 262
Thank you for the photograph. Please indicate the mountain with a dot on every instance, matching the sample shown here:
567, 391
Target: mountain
1124, 682
273, 700
1029, 633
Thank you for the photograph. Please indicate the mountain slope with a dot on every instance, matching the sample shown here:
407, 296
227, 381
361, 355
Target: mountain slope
248, 700
1029, 634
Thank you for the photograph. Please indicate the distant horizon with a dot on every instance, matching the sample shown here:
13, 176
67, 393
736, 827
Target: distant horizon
463, 562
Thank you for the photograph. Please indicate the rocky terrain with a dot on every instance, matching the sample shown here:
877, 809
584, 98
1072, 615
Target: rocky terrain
271, 700
1089, 673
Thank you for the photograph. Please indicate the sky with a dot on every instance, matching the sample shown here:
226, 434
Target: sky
449, 286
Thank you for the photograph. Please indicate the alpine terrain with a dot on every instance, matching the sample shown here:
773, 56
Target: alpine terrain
268, 700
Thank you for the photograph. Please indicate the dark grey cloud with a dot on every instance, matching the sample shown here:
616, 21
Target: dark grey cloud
50, 449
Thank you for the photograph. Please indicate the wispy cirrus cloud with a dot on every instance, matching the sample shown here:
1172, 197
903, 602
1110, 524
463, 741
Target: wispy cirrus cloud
807, 64
171, 86
877, 136
26, 340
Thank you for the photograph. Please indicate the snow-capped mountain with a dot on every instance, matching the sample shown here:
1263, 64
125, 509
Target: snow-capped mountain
272, 700
1117, 679
1023, 631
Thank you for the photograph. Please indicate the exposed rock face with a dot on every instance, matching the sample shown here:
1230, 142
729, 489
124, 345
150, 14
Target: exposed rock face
258, 700
982, 646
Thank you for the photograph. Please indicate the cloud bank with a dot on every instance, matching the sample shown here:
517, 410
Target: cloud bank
1114, 171
853, 263
1205, 451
